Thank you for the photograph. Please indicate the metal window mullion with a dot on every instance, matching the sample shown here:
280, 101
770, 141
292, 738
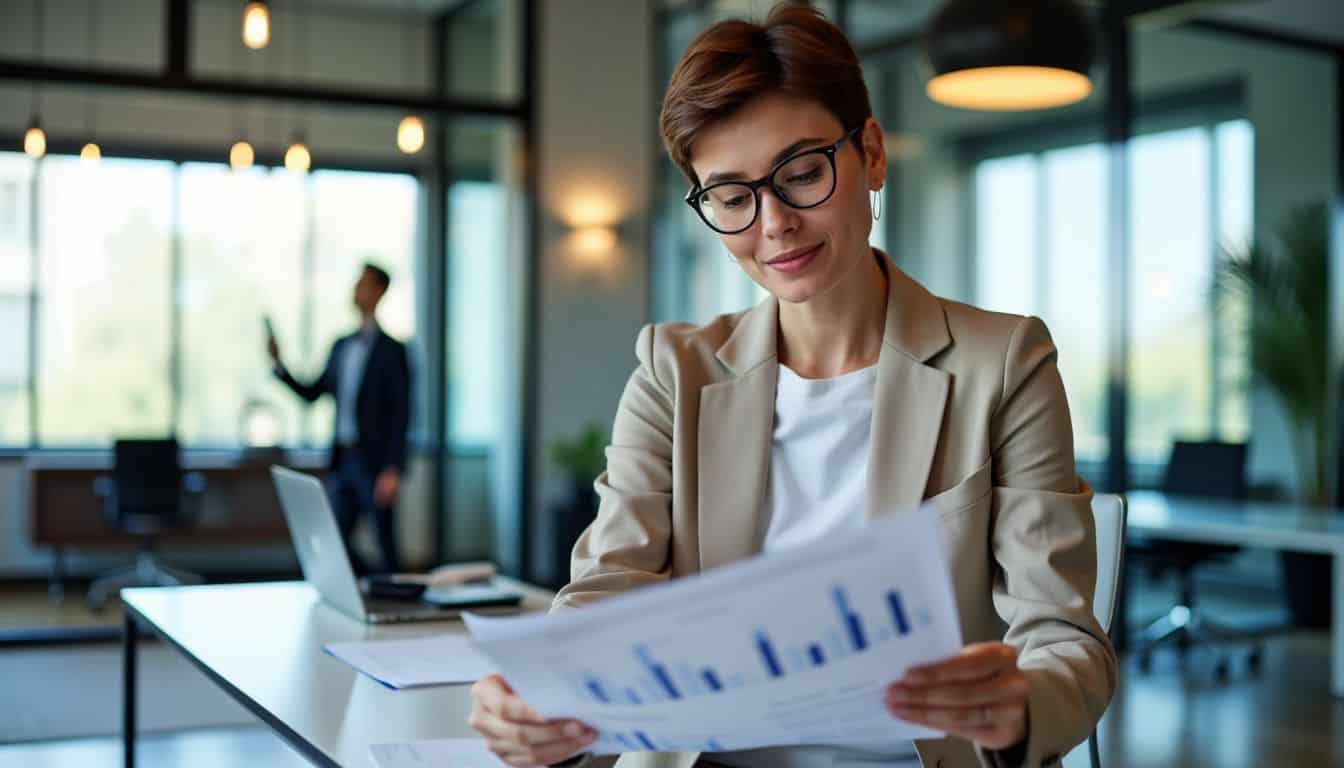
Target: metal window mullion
34, 292
1215, 304
307, 289
174, 306
1042, 249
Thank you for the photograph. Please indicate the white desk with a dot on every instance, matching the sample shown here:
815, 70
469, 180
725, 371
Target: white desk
1266, 525
262, 644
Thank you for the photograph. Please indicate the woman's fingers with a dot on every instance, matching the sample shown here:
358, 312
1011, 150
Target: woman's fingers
516, 733
1003, 688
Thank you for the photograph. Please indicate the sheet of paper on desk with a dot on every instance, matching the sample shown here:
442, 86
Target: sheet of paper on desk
439, 753
794, 647
434, 660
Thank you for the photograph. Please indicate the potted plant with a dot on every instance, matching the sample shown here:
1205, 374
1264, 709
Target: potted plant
1287, 331
582, 458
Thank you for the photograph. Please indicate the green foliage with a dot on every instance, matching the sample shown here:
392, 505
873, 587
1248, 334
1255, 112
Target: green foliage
1287, 329
582, 457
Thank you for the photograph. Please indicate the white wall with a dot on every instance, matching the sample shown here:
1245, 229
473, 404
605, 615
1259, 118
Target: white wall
597, 140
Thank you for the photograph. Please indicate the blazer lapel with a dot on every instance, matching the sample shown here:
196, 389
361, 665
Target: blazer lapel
737, 419
910, 396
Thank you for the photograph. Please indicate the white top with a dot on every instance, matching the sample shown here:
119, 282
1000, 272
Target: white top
818, 485
818, 457
354, 358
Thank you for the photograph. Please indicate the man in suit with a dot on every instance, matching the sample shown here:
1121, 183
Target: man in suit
368, 374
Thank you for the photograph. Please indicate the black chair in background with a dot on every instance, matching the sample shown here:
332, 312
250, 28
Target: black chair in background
1209, 469
145, 496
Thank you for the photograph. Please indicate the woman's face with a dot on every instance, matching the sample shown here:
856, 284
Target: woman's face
795, 254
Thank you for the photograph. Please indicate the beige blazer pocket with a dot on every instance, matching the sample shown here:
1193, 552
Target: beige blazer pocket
968, 493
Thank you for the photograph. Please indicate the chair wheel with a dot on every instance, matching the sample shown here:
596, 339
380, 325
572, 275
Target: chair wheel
1220, 671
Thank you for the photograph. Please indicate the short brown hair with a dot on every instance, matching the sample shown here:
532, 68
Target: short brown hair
796, 52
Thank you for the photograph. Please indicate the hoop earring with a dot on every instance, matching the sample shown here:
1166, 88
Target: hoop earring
875, 199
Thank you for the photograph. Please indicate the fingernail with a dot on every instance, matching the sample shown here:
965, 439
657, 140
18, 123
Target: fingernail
896, 696
573, 729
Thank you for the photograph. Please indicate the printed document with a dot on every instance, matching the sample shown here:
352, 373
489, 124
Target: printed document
435, 660
794, 647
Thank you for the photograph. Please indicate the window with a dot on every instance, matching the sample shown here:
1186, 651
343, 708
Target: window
242, 240
1040, 249
16, 171
154, 278
105, 315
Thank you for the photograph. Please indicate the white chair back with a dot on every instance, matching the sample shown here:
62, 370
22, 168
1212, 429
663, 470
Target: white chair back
1109, 512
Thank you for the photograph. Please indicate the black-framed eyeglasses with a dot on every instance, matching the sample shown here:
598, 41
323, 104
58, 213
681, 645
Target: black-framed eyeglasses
804, 180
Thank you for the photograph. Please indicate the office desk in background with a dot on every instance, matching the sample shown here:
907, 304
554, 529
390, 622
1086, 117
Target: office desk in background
238, 506
1265, 525
262, 644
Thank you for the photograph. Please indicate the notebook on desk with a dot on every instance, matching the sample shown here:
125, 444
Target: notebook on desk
317, 542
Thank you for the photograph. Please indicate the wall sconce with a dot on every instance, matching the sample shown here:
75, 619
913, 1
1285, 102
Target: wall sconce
592, 246
594, 224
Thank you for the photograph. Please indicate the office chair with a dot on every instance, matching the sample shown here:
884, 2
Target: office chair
1210, 469
1109, 513
144, 497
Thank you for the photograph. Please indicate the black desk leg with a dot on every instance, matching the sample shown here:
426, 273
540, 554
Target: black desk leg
128, 678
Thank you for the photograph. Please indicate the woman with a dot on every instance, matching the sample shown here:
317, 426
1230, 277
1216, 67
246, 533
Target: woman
849, 392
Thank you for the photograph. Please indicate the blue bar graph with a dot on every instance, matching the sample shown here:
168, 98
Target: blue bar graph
644, 741
898, 613
850, 619
814, 653
597, 691
768, 655
659, 671
712, 680
863, 620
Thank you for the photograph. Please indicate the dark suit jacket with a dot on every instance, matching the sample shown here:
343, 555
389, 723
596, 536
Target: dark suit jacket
382, 410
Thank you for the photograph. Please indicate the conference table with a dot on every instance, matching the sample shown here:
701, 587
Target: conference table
262, 644
1278, 526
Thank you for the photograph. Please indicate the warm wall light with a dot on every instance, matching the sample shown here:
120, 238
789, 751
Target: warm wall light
90, 153
35, 140
256, 25
297, 157
1009, 54
411, 134
240, 156
593, 242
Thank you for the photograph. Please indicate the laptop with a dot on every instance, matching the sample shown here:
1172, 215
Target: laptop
322, 555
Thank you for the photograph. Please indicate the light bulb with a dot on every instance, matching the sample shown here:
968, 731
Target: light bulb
240, 156
297, 157
35, 141
411, 134
90, 153
256, 25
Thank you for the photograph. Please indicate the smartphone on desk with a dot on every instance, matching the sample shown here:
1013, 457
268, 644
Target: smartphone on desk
474, 594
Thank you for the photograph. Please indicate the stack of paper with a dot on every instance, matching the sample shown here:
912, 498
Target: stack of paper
441, 753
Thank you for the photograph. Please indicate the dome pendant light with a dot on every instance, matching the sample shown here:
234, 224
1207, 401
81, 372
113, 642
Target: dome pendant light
256, 25
241, 156
91, 153
1009, 55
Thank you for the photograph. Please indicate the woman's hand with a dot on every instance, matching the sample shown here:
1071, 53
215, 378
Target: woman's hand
979, 695
516, 733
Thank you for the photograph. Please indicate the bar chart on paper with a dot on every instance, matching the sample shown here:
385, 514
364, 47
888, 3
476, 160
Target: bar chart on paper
793, 648
671, 676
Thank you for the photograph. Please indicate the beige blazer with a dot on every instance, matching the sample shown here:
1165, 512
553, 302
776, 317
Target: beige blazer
969, 411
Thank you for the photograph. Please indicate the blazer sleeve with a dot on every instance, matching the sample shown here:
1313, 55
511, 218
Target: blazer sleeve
1044, 545
324, 384
627, 545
